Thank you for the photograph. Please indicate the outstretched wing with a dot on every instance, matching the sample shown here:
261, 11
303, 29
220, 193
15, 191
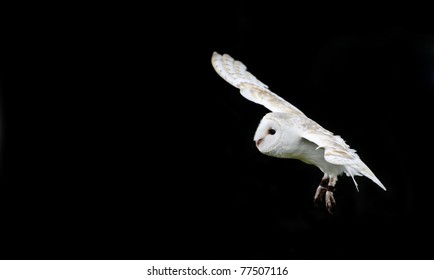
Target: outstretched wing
235, 73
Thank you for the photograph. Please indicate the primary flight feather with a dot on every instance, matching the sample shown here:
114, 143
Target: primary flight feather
287, 132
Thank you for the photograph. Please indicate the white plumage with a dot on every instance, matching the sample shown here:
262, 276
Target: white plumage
287, 132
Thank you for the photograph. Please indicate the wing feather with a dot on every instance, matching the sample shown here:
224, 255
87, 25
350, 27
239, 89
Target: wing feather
336, 151
235, 73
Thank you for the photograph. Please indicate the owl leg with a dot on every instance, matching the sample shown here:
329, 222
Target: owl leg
330, 201
321, 190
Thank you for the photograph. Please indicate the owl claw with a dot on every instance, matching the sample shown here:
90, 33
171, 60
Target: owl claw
330, 201
326, 193
319, 195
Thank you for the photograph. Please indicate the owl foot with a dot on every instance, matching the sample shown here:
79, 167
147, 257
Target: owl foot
330, 201
319, 195
320, 191
326, 193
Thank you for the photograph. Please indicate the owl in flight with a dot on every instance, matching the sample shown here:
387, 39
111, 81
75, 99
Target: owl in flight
287, 132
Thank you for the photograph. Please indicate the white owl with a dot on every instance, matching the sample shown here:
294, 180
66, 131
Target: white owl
287, 132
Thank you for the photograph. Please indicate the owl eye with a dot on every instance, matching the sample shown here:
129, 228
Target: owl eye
271, 131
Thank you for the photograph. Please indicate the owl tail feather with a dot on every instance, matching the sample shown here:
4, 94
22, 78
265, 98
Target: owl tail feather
361, 169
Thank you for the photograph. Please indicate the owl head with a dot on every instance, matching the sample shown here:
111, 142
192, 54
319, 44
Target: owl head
275, 136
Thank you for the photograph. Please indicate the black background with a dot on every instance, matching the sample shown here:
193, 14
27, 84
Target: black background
119, 140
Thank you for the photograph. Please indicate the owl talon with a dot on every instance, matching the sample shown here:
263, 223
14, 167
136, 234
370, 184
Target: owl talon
319, 195
330, 201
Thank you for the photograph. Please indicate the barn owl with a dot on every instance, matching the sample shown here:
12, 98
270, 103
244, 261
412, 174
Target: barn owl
286, 132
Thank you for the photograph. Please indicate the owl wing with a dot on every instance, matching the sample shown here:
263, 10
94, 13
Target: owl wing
235, 73
336, 151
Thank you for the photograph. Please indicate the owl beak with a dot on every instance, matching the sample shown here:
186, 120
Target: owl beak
259, 142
